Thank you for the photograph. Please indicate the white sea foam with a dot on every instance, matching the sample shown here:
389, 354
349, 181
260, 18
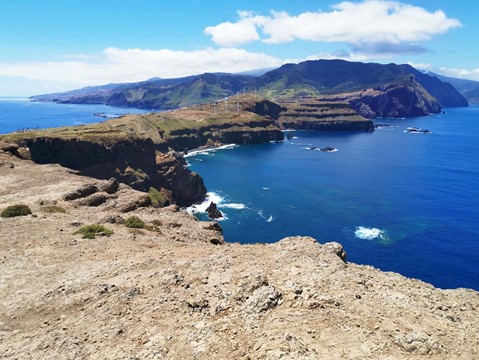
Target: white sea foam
234, 206
220, 203
368, 233
319, 149
210, 197
265, 188
211, 151
268, 219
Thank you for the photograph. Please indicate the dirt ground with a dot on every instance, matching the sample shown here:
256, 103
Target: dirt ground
168, 292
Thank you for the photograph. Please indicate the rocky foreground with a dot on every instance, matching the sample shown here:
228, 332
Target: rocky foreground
176, 291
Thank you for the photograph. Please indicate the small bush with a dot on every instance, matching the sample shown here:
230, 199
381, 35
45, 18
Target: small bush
53, 209
157, 198
16, 210
134, 222
90, 231
157, 222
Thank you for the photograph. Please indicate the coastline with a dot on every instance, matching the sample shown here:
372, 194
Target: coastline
170, 291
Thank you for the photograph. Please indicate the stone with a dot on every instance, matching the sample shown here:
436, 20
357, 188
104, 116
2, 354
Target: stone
81, 192
110, 186
337, 249
93, 200
134, 203
112, 219
8, 165
263, 299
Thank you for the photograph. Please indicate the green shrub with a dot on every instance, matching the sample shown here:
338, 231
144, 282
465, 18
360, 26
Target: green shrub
90, 231
157, 198
53, 209
16, 210
134, 222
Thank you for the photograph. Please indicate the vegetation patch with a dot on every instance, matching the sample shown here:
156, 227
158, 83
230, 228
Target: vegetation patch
90, 231
157, 198
16, 210
53, 209
134, 222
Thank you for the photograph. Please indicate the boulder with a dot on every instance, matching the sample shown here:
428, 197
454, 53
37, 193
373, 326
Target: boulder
93, 200
81, 192
110, 186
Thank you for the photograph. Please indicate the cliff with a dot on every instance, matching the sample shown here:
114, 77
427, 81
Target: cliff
166, 291
140, 150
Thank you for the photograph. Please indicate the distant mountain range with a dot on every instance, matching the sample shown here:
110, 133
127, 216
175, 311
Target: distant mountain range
468, 88
373, 89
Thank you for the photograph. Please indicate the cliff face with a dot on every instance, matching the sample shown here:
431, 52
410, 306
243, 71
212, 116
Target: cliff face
395, 101
319, 114
134, 162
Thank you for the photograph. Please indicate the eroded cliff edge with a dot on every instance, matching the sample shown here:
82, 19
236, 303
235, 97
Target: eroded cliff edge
145, 151
168, 292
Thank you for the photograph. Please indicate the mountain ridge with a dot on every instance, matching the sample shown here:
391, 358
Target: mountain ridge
309, 78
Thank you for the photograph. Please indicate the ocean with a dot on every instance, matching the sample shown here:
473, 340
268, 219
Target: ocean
399, 201
21, 113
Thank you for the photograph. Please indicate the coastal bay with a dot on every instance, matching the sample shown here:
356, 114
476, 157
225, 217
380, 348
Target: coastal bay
400, 201
360, 195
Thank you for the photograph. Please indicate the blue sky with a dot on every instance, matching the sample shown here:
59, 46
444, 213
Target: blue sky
54, 45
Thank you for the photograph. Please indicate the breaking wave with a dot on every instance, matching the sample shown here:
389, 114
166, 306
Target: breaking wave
211, 151
369, 233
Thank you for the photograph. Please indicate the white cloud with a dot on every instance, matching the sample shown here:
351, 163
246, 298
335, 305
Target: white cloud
469, 74
366, 22
131, 65
229, 34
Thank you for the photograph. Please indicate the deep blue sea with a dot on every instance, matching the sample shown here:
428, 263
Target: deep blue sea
399, 201
21, 113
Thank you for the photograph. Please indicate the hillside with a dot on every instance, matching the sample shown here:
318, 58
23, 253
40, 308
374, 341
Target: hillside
468, 88
339, 76
310, 78
176, 290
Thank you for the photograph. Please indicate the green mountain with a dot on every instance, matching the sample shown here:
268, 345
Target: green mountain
339, 76
372, 89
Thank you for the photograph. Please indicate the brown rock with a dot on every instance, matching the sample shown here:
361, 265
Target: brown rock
93, 200
81, 192
110, 186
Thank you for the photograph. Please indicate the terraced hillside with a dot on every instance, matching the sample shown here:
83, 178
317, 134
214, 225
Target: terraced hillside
321, 114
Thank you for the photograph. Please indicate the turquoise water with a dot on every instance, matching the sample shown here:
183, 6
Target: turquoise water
20, 113
402, 202
399, 201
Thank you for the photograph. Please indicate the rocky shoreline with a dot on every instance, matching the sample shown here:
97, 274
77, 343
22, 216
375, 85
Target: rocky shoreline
175, 290
145, 151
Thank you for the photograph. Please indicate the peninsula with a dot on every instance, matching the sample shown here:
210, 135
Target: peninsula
145, 151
